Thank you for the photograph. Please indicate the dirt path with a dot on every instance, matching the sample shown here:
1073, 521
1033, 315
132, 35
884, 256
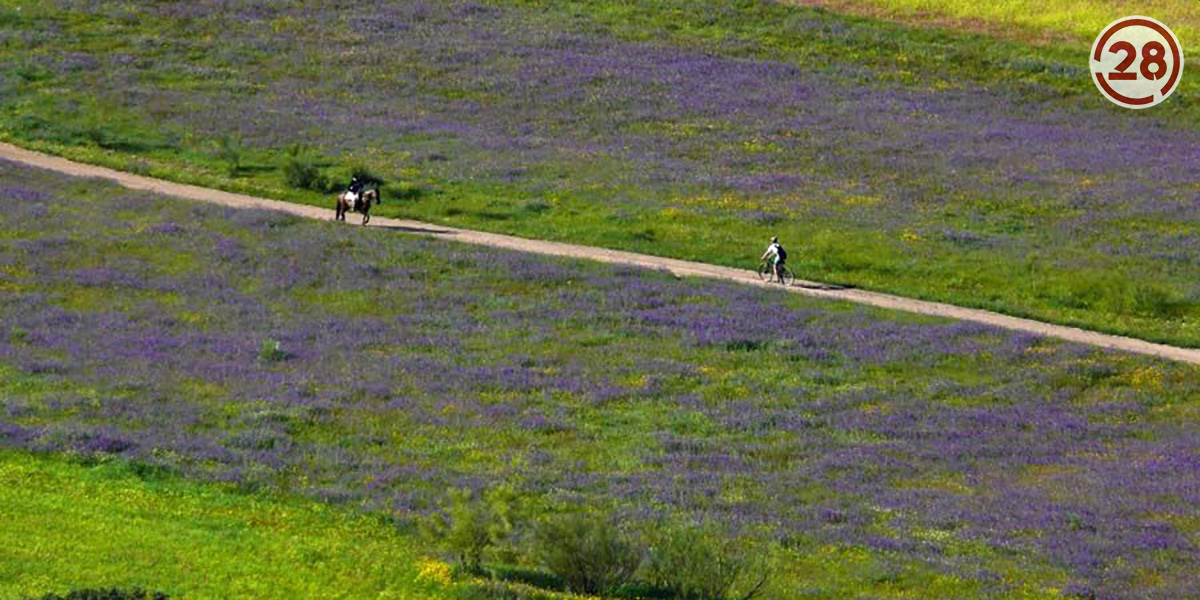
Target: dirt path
678, 267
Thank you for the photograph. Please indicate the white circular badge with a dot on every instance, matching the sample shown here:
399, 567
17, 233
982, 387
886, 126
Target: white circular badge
1136, 62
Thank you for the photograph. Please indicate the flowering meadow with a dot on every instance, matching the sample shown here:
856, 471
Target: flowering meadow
938, 164
883, 454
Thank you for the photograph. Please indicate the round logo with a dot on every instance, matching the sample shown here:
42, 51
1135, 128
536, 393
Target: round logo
1136, 62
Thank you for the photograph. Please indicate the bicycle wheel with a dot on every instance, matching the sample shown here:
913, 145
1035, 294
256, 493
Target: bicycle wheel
788, 277
764, 272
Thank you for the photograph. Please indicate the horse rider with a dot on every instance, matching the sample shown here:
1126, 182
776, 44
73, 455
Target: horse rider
354, 192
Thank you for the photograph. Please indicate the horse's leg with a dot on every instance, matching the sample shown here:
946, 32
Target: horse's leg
366, 212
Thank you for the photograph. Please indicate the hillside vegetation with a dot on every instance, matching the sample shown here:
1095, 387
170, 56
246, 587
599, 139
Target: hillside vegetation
940, 164
868, 453
1064, 21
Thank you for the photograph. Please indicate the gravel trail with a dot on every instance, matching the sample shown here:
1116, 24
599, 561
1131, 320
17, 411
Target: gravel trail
677, 267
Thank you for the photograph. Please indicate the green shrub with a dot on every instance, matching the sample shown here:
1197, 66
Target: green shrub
701, 563
589, 554
1092, 290
502, 590
367, 176
271, 351
1153, 300
471, 524
301, 171
108, 594
230, 152
516, 569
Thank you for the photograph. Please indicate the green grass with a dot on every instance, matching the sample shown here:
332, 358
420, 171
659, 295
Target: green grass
1027, 20
69, 526
74, 525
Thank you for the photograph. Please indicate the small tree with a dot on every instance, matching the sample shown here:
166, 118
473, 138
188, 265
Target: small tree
470, 524
300, 170
700, 563
230, 151
589, 554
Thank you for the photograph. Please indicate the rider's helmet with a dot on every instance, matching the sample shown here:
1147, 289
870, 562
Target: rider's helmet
774, 239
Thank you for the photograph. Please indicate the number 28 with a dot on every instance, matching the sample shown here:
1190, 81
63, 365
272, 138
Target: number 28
1153, 53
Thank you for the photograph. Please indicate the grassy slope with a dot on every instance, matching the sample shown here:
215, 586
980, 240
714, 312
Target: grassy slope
498, 321
1028, 20
213, 521
69, 526
1130, 295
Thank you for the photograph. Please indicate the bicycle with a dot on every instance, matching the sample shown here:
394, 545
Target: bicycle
767, 273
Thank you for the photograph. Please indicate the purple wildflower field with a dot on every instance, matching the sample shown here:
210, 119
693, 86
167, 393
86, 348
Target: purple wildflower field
1067, 210
377, 370
521, 93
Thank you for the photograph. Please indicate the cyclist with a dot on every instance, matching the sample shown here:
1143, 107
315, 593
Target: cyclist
776, 256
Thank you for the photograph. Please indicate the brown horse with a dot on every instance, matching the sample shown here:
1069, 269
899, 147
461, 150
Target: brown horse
362, 204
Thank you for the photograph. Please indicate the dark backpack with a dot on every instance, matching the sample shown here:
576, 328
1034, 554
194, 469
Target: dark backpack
781, 252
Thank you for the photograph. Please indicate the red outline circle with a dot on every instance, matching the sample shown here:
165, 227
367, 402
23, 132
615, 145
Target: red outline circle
1167, 34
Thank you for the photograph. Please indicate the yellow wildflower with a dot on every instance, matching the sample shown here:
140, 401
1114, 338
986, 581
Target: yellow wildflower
435, 572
